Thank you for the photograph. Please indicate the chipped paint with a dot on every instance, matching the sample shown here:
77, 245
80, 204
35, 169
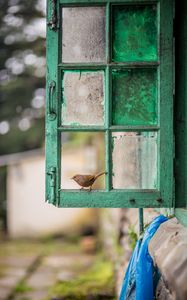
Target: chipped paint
134, 38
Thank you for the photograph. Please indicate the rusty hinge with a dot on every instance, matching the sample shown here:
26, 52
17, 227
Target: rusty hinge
54, 20
52, 184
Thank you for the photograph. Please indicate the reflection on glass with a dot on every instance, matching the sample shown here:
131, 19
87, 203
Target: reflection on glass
83, 34
135, 33
83, 98
134, 97
134, 160
82, 153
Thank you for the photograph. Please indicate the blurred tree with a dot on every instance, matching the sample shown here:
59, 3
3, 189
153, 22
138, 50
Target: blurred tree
22, 75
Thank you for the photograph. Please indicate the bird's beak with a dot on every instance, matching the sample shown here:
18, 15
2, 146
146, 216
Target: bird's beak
71, 178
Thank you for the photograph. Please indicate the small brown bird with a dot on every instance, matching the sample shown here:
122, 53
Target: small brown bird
86, 180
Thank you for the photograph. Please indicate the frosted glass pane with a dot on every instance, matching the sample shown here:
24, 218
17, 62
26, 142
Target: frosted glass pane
83, 98
134, 160
83, 34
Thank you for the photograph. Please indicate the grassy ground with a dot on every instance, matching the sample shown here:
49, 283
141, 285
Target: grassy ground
95, 283
93, 274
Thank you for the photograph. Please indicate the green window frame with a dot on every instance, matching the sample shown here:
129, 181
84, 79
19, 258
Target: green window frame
163, 196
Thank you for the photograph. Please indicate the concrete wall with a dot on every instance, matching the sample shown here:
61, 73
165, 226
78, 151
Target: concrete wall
168, 250
28, 214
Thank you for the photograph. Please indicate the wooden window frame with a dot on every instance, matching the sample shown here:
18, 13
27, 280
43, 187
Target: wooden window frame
164, 195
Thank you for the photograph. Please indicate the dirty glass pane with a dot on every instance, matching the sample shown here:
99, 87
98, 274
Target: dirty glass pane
134, 33
83, 98
83, 34
82, 153
134, 97
134, 160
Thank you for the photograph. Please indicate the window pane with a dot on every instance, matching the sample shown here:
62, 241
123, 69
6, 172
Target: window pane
134, 160
83, 34
134, 97
82, 153
83, 98
135, 33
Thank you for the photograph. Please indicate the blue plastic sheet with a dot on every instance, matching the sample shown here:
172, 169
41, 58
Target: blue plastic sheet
138, 282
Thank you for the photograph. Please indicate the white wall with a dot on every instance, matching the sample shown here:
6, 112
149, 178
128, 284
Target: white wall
28, 214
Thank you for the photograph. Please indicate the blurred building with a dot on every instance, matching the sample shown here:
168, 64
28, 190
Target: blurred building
26, 213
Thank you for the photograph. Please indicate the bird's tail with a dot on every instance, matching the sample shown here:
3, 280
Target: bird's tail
99, 174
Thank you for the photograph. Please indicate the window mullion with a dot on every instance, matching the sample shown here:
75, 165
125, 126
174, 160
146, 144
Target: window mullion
107, 102
107, 125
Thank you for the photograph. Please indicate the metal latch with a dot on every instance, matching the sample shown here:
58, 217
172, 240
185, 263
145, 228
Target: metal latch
52, 184
51, 109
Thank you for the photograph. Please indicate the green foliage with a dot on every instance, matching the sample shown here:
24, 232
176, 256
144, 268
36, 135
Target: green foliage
22, 288
76, 139
98, 280
79, 138
22, 75
132, 236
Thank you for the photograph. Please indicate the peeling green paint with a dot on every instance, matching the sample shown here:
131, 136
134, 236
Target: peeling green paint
135, 33
134, 97
139, 37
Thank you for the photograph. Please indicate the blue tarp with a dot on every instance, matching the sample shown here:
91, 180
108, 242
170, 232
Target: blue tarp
138, 282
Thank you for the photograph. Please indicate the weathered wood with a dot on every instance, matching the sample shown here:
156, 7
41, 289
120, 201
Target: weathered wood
114, 198
160, 60
166, 146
